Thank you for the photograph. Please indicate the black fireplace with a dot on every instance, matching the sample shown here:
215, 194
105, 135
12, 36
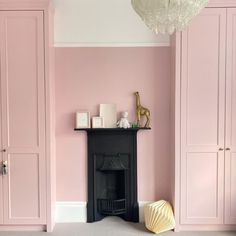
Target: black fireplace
112, 174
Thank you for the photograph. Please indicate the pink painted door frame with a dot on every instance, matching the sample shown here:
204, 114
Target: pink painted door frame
230, 137
1, 159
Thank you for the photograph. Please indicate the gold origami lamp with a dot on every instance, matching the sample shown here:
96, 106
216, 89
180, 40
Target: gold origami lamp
159, 217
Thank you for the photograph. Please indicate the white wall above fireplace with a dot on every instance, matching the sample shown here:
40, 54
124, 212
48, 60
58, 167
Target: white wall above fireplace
114, 23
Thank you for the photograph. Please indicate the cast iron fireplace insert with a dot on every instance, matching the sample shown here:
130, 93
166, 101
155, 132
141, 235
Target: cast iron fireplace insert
112, 173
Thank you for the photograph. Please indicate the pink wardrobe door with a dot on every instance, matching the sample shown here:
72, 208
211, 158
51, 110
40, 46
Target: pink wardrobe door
23, 116
230, 142
1, 155
202, 118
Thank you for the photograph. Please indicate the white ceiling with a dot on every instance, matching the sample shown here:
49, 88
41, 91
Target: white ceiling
113, 23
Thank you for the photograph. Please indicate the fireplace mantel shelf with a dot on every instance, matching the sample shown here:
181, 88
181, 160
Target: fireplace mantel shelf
111, 129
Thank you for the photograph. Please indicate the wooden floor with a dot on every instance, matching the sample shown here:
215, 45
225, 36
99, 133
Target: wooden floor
111, 226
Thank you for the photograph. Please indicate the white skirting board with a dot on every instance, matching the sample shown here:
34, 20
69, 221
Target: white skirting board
69, 212
141, 210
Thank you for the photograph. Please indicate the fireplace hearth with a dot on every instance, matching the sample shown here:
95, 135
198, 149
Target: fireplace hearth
112, 174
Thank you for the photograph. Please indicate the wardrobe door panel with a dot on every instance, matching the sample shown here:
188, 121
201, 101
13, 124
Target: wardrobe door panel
1, 149
230, 154
24, 198
198, 166
202, 118
23, 109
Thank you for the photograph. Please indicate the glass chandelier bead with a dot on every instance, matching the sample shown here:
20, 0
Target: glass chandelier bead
167, 16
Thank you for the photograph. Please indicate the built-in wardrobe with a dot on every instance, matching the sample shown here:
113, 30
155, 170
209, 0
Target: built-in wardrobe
204, 120
27, 176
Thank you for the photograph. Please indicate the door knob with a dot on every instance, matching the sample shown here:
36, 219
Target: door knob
4, 168
221, 149
227, 149
4, 150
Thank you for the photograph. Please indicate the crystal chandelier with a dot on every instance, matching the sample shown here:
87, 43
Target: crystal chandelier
166, 16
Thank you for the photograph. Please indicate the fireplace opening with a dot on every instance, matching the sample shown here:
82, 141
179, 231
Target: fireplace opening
110, 178
111, 193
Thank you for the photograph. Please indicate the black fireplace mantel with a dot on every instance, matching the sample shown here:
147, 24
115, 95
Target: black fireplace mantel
111, 129
112, 173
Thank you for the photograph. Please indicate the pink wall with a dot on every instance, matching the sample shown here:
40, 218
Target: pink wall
86, 77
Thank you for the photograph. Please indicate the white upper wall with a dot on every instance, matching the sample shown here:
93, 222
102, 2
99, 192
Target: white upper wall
101, 23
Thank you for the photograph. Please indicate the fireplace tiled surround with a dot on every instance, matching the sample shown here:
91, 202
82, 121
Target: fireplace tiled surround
112, 174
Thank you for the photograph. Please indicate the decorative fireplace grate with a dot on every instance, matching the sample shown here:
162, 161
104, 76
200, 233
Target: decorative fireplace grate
113, 162
112, 207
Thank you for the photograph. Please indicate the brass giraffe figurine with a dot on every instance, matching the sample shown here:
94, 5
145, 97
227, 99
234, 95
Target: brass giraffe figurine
142, 111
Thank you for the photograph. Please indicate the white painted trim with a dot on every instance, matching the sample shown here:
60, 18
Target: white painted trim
141, 210
77, 211
32, 228
71, 212
86, 45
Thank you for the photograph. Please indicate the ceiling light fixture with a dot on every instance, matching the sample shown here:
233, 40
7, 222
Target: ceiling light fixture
167, 16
